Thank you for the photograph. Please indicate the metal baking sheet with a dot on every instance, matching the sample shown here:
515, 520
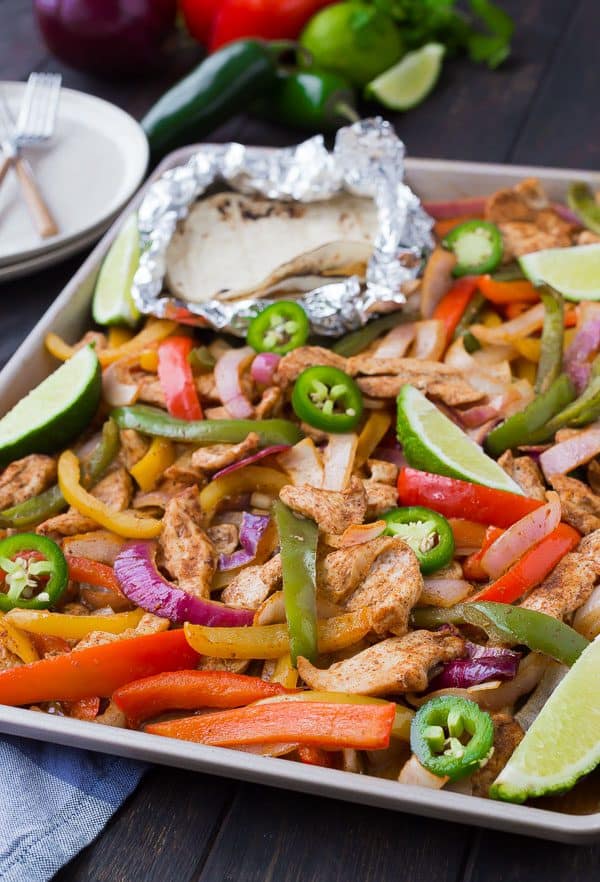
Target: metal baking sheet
69, 316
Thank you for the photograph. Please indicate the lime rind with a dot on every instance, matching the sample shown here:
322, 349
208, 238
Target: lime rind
113, 303
433, 443
563, 743
410, 81
574, 272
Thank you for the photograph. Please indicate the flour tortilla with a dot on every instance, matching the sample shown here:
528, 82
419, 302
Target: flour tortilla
233, 246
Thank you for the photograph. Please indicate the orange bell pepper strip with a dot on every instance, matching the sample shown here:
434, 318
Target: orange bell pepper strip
176, 378
316, 756
472, 569
84, 569
517, 291
48, 643
84, 709
532, 568
451, 307
96, 670
372, 433
190, 690
335, 726
455, 498
467, 534
513, 310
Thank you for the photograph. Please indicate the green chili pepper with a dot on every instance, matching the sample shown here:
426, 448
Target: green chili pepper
154, 421
201, 360
585, 409
224, 84
279, 328
529, 425
298, 539
582, 201
51, 502
356, 341
504, 623
477, 245
34, 571
315, 100
469, 317
327, 398
550, 363
428, 533
438, 736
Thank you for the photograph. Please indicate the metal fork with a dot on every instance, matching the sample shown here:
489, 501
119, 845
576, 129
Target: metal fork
37, 116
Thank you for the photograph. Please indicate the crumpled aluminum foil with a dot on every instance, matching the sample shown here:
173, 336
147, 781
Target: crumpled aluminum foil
367, 160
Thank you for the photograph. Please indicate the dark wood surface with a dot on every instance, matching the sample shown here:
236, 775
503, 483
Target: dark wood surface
541, 108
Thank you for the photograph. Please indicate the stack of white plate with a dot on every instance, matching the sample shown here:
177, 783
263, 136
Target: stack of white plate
93, 165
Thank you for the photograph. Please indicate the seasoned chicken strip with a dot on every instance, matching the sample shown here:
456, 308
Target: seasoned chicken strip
217, 456
224, 537
25, 478
507, 736
399, 664
148, 624
115, 490
387, 376
380, 498
133, 447
580, 505
253, 584
291, 365
187, 552
571, 581
382, 471
332, 510
525, 471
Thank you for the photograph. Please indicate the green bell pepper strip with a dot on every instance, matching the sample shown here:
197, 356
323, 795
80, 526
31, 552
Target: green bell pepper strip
504, 623
531, 424
201, 360
279, 328
51, 502
553, 332
298, 539
581, 200
22, 571
154, 421
428, 533
436, 732
328, 399
356, 341
477, 246
583, 410
512, 272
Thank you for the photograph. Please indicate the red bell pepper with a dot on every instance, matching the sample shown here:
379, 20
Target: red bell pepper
96, 670
84, 709
316, 756
336, 726
177, 380
472, 569
461, 499
199, 16
84, 569
451, 307
47, 643
190, 690
532, 568
269, 19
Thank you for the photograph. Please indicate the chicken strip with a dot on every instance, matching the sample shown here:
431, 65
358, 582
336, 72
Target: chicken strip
580, 505
291, 365
382, 471
115, 490
331, 509
253, 584
526, 473
380, 498
398, 664
25, 478
224, 537
187, 552
217, 456
507, 736
387, 376
148, 624
571, 581
133, 447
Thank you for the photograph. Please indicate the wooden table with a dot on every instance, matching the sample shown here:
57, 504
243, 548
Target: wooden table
541, 108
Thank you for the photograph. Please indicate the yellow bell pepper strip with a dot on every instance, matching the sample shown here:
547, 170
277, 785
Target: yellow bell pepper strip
149, 469
529, 347
273, 641
154, 331
285, 673
96, 670
149, 360
117, 336
124, 523
373, 432
58, 347
17, 642
250, 479
333, 726
71, 627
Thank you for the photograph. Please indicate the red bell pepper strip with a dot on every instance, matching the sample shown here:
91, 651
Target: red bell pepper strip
336, 726
451, 307
316, 756
190, 690
517, 291
84, 709
84, 569
46, 643
472, 569
467, 534
532, 568
96, 670
461, 499
177, 380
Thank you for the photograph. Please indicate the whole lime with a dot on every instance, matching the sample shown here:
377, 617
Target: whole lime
356, 40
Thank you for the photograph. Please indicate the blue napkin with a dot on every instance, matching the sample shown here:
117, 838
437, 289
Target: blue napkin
53, 802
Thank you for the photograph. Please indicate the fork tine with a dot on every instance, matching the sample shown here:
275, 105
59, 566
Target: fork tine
38, 110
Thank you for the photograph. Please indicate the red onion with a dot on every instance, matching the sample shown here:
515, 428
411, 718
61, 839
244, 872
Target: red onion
483, 664
141, 582
519, 538
251, 532
260, 454
264, 366
565, 212
476, 416
106, 36
227, 381
568, 455
585, 343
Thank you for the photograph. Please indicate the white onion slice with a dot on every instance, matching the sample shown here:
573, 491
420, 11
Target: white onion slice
416, 775
587, 617
227, 381
338, 460
519, 538
444, 592
568, 455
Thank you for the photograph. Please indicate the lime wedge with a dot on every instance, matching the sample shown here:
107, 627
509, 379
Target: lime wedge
113, 303
563, 743
575, 272
434, 443
54, 412
407, 83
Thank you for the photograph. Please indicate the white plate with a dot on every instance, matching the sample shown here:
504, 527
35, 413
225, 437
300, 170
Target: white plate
95, 161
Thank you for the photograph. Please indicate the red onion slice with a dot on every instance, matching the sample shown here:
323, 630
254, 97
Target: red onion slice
264, 366
251, 532
227, 381
260, 454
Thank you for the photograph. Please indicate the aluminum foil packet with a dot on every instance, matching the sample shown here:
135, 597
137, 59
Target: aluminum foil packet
367, 160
